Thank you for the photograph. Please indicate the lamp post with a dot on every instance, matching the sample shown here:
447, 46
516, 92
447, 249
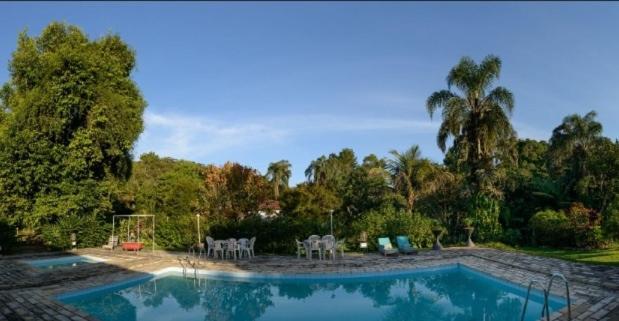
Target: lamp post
331, 216
199, 236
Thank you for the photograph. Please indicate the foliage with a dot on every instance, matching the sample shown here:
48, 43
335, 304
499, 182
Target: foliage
484, 212
550, 228
275, 235
233, 191
611, 221
584, 226
414, 177
278, 175
577, 226
89, 231
476, 118
7, 235
72, 115
391, 222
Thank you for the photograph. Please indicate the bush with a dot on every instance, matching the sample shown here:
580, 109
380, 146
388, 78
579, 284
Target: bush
610, 221
550, 228
484, 212
611, 224
177, 233
275, 235
391, 222
585, 226
511, 236
578, 226
90, 232
7, 235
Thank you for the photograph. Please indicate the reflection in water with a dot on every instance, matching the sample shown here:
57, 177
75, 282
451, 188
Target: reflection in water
453, 294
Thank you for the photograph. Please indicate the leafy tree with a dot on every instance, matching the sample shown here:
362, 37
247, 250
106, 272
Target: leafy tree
233, 191
527, 184
333, 171
278, 174
311, 201
71, 116
477, 117
413, 176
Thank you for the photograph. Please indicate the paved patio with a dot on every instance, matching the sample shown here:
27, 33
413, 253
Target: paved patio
28, 294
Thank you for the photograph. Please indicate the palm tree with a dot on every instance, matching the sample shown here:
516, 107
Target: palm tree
278, 174
574, 137
476, 116
412, 175
571, 145
316, 171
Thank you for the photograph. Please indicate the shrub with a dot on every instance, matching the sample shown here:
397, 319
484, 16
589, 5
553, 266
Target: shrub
610, 221
90, 232
484, 212
177, 233
584, 226
391, 222
550, 228
578, 226
511, 236
276, 235
7, 235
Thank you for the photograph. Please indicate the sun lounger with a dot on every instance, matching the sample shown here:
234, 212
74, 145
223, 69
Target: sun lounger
404, 245
385, 247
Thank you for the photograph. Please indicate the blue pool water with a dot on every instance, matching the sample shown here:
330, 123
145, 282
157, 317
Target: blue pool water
453, 293
67, 261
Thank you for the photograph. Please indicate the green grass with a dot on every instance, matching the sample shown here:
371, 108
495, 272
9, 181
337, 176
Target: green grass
609, 256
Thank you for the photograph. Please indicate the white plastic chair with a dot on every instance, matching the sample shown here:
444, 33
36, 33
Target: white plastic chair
218, 247
252, 242
210, 246
314, 245
232, 247
301, 247
328, 243
243, 246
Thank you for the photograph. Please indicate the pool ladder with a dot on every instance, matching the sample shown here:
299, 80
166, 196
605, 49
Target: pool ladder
187, 261
546, 308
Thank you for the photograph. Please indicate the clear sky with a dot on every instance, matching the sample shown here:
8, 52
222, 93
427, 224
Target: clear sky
260, 82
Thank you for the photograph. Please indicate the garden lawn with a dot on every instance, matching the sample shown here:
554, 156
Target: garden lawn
609, 256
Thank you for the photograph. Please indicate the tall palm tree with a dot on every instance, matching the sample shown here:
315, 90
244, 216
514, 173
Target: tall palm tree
571, 145
279, 174
575, 136
476, 116
412, 175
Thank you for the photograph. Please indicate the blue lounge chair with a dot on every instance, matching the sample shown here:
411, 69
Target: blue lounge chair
385, 247
404, 245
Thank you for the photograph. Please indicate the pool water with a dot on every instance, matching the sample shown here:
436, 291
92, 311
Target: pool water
66, 261
451, 293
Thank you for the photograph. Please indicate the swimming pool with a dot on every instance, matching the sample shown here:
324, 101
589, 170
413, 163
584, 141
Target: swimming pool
65, 261
452, 292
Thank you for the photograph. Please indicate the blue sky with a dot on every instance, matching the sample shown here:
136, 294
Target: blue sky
260, 82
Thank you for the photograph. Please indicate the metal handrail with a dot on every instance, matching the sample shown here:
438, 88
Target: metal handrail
526, 301
546, 291
567, 291
180, 261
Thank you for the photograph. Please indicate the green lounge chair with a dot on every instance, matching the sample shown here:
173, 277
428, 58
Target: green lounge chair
385, 247
404, 245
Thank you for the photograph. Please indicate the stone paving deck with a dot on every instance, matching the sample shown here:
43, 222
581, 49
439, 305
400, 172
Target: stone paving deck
28, 294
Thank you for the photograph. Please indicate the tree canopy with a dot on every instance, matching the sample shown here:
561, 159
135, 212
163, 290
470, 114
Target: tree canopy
71, 116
